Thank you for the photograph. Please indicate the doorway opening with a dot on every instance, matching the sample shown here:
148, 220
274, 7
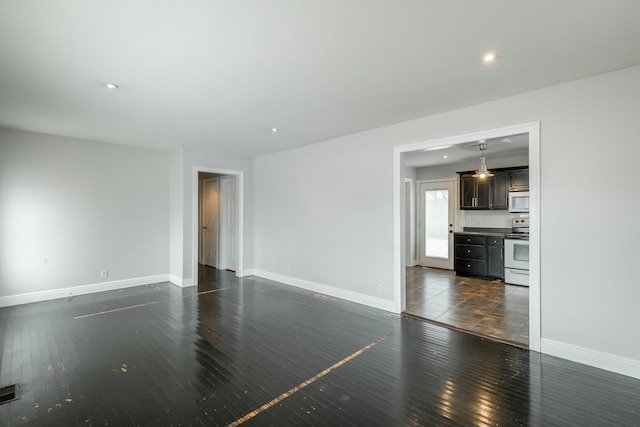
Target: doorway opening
217, 223
428, 243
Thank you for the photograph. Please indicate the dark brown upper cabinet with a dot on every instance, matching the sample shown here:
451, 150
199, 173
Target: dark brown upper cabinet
519, 179
484, 193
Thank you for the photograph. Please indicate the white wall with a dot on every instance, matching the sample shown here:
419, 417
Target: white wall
326, 209
176, 215
322, 218
70, 208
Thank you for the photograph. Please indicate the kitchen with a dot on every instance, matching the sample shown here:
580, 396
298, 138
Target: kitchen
467, 245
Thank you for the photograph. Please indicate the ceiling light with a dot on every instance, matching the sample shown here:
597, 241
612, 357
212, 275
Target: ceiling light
445, 156
110, 85
274, 130
482, 171
489, 57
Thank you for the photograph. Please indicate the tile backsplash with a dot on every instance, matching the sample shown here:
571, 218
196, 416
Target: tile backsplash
489, 219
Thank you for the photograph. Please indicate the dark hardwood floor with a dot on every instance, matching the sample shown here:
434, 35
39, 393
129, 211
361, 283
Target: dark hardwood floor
254, 352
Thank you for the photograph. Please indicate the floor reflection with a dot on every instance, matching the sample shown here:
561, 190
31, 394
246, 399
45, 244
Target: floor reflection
211, 358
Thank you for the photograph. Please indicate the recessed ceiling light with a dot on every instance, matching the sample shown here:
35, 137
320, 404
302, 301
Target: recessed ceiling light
445, 156
489, 57
110, 85
274, 130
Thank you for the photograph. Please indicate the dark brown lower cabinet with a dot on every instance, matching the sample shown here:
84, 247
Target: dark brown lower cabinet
479, 255
495, 257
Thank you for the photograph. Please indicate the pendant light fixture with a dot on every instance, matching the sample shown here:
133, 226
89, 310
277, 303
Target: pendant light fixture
482, 171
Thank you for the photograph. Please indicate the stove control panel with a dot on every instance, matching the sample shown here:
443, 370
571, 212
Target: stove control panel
520, 222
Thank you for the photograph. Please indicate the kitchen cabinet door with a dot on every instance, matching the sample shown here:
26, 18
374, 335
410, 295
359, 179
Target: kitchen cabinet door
499, 193
519, 180
483, 193
474, 192
467, 192
495, 262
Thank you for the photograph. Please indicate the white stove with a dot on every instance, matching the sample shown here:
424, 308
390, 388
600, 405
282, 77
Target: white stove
516, 253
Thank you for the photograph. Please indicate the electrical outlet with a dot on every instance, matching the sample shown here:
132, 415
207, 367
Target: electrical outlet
380, 289
289, 269
104, 274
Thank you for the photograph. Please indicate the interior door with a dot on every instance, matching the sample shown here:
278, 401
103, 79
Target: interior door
210, 221
436, 209
228, 226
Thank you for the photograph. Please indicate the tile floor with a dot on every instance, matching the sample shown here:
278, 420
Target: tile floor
489, 308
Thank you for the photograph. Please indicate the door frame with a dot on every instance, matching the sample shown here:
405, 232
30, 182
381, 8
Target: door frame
399, 279
420, 220
410, 230
239, 217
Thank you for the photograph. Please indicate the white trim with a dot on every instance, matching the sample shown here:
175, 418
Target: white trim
183, 283
610, 362
533, 129
412, 217
374, 302
194, 220
248, 272
80, 290
399, 256
535, 333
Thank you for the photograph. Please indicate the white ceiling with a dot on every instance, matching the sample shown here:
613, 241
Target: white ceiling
496, 148
221, 74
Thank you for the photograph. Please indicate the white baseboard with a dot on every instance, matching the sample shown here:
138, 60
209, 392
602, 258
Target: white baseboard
183, 283
247, 272
610, 362
80, 290
370, 301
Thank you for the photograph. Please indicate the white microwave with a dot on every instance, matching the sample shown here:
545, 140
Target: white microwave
518, 201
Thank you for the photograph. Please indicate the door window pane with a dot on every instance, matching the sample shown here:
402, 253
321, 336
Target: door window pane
436, 223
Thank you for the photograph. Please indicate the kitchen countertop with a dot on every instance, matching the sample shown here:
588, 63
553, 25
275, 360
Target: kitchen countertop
480, 231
